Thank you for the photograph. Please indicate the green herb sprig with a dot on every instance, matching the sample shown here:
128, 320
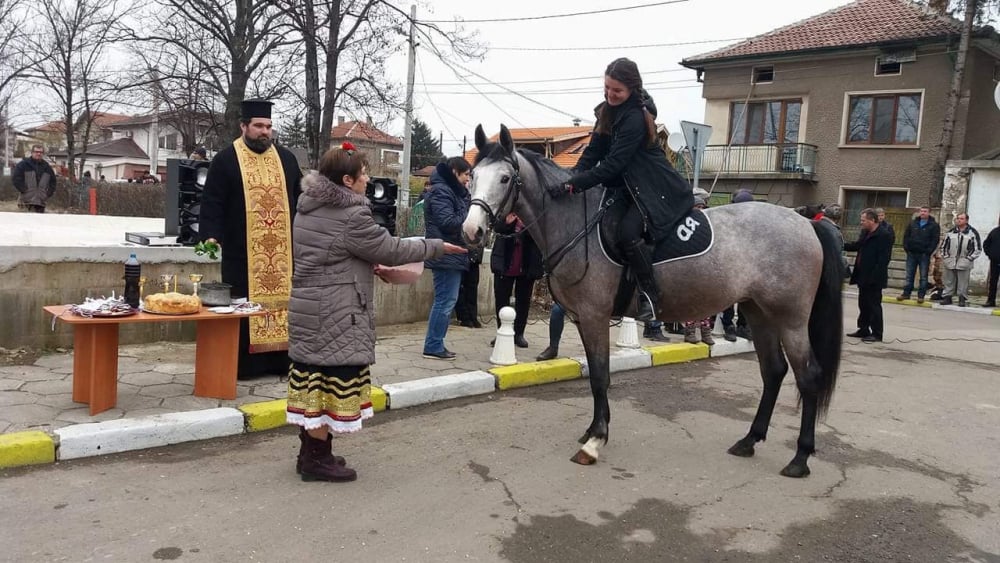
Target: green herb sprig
207, 247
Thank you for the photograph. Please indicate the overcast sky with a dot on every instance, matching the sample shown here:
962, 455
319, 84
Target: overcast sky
447, 105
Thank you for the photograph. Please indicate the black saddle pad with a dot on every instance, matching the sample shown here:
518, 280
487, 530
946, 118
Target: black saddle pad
691, 236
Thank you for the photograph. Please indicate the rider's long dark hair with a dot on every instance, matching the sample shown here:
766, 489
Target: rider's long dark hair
627, 72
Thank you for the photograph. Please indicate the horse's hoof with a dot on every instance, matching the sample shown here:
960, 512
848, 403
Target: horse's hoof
583, 458
795, 470
740, 449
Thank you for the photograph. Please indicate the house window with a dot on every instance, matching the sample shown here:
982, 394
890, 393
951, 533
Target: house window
883, 119
888, 68
763, 74
169, 142
766, 123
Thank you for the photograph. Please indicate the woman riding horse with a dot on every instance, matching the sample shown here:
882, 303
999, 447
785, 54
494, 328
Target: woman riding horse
624, 156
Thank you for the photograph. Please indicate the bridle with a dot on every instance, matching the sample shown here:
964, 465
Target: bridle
512, 195
549, 262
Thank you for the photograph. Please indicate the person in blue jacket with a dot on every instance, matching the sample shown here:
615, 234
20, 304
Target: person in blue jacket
446, 205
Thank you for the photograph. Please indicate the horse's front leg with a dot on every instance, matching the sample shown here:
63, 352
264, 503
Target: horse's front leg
596, 342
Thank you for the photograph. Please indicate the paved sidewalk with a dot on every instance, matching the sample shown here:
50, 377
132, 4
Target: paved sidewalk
158, 378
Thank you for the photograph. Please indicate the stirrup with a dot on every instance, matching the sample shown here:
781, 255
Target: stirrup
645, 309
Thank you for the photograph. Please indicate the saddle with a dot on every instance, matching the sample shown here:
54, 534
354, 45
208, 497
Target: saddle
692, 235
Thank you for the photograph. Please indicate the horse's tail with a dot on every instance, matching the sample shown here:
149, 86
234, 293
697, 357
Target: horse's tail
827, 319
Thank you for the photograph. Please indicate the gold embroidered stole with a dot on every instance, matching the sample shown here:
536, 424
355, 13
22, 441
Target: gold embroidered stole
269, 245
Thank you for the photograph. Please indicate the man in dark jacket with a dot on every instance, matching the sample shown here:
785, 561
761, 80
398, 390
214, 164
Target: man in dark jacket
445, 207
35, 180
871, 275
992, 250
920, 240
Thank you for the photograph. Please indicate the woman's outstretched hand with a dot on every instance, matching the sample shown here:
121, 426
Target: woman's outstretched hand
450, 248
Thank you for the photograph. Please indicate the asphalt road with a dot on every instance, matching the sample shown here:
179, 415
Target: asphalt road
908, 469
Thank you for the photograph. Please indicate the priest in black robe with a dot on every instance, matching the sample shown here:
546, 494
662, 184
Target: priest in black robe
256, 255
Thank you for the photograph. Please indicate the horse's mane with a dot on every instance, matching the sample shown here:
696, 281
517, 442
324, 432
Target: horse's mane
550, 175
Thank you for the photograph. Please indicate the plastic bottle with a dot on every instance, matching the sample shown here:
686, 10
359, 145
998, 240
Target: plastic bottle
132, 273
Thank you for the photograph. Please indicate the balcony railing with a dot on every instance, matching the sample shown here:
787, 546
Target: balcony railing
789, 159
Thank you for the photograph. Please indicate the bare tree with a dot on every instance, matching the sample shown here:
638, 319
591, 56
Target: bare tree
944, 148
189, 105
347, 45
73, 37
242, 47
14, 59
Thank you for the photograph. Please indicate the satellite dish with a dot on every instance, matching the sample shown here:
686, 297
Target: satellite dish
996, 96
676, 140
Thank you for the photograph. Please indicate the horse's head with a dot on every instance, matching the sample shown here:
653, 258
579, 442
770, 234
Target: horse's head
496, 185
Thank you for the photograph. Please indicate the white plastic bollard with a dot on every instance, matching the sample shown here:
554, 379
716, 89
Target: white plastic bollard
718, 329
628, 334
503, 349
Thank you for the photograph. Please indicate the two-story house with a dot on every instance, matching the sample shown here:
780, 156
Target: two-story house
53, 133
846, 106
126, 152
384, 150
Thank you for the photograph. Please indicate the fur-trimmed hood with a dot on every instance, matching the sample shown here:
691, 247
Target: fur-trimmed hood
319, 191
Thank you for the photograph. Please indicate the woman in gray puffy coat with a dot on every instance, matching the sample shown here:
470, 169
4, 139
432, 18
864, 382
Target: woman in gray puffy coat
337, 250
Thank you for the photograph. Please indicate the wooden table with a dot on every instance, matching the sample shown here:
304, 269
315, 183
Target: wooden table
95, 353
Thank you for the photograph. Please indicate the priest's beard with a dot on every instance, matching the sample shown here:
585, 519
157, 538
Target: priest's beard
257, 145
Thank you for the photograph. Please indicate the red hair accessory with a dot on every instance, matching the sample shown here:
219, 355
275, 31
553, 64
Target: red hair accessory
350, 148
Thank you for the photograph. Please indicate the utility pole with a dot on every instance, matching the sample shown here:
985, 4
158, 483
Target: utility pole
154, 131
404, 178
441, 142
5, 169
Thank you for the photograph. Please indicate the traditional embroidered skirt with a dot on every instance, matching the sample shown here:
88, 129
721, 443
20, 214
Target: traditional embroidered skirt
336, 396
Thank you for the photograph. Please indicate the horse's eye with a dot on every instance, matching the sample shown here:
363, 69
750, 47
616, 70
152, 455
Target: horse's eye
505, 179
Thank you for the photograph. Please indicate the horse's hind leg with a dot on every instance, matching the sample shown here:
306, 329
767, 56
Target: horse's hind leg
773, 368
808, 375
596, 341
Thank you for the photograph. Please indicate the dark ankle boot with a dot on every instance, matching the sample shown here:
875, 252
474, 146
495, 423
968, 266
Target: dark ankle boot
302, 450
318, 464
548, 353
641, 262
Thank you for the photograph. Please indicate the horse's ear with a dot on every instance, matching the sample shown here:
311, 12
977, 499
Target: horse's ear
480, 137
506, 141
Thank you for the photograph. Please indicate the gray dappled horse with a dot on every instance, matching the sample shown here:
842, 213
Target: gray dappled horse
783, 270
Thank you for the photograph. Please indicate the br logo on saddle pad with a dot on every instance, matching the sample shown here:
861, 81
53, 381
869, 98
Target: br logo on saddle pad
691, 236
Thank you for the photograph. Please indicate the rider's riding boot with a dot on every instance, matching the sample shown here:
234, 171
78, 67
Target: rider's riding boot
641, 262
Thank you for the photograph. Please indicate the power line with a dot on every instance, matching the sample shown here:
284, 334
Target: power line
542, 81
508, 90
616, 47
553, 16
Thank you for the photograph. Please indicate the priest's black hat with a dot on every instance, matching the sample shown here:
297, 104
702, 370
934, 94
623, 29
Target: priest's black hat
250, 109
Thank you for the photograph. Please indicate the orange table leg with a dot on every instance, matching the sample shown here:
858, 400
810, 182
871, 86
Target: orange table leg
216, 356
103, 367
83, 346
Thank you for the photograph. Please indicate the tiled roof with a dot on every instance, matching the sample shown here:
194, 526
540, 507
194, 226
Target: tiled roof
566, 158
569, 157
128, 120
104, 119
362, 131
50, 127
120, 148
860, 23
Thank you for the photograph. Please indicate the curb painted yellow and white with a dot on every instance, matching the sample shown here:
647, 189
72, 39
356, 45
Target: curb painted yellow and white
114, 436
